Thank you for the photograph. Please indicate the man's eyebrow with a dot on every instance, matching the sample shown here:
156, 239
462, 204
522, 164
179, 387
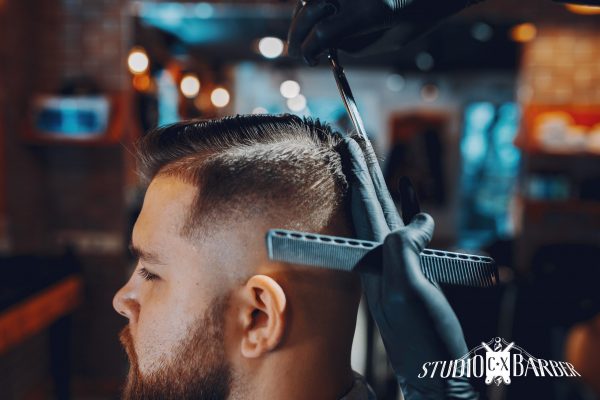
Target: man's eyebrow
144, 255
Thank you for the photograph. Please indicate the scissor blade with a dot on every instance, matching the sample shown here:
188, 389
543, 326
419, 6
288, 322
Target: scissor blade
346, 94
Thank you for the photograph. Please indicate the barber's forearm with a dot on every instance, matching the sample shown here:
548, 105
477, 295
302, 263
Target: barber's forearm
420, 19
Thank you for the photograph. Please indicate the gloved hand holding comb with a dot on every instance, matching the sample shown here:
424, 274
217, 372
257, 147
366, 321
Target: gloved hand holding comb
415, 320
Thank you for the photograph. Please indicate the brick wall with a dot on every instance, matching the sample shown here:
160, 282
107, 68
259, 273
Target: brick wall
91, 40
50, 190
561, 66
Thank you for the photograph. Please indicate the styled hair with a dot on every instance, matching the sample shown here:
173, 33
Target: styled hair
245, 166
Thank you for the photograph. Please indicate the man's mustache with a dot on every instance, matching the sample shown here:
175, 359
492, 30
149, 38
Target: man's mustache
127, 341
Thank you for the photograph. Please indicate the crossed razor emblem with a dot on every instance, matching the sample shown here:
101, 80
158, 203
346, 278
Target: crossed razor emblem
503, 357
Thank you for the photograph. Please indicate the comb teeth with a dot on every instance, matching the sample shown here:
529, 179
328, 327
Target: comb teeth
458, 269
342, 254
316, 250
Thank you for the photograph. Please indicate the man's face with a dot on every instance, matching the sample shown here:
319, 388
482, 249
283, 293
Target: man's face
175, 303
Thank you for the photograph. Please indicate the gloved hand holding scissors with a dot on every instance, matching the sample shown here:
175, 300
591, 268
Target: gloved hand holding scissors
414, 318
353, 25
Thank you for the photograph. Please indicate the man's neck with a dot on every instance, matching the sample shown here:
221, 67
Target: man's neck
299, 374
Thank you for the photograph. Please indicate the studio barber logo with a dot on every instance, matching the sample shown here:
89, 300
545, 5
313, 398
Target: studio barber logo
498, 361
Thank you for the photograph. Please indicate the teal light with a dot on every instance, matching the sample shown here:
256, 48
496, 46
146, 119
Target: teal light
191, 23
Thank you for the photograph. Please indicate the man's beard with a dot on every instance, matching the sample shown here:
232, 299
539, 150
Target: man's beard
198, 370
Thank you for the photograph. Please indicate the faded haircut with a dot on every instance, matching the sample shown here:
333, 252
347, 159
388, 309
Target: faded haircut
245, 166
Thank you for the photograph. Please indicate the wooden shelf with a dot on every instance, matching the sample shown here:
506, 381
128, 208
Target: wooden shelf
38, 311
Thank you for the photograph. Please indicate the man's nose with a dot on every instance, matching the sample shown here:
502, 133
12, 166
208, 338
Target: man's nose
126, 301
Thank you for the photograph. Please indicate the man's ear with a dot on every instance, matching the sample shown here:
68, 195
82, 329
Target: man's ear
262, 315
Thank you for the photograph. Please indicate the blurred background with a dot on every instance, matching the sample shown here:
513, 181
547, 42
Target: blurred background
495, 116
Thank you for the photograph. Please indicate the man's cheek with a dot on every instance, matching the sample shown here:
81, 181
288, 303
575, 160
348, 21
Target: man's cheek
155, 342
159, 331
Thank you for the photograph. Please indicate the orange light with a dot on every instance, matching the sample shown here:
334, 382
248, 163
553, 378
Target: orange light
583, 10
523, 32
141, 82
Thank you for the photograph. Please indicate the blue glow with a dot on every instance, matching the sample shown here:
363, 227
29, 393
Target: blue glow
478, 117
204, 10
69, 122
168, 99
72, 116
325, 108
192, 23
508, 155
170, 14
490, 169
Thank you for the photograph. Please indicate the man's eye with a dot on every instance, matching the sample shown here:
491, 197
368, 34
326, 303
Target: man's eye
147, 275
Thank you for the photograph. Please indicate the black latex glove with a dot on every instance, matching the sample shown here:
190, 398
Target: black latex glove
353, 25
414, 318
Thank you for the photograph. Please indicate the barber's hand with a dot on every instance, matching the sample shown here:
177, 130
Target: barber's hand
352, 25
416, 322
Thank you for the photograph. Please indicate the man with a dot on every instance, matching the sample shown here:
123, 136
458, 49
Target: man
210, 317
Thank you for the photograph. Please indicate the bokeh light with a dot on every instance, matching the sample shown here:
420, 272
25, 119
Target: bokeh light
297, 104
141, 82
138, 61
260, 110
482, 31
204, 10
220, 97
270, 47
289, 89
395, 82
523, 32
424, 61
190, 86
429, 93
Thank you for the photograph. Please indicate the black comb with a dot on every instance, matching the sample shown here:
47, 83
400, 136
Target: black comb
343, 254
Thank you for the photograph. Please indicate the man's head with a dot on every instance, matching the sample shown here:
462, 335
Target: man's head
208, 312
